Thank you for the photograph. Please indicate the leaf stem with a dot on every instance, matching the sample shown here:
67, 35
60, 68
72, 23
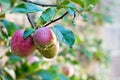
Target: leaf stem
56, 19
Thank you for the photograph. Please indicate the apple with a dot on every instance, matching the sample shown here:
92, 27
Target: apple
68, 70
20, 46
46, 42
31, 59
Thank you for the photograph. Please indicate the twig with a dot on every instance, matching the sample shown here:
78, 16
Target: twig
30, 20
43, 5
56, 19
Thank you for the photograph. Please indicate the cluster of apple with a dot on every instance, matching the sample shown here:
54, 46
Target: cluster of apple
43, 39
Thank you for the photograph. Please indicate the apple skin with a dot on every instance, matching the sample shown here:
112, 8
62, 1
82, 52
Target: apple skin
50, 52
43, 36
68, 71
20, 46
46, 42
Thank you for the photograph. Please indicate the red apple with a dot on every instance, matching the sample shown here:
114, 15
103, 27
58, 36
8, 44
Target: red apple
20, 46
46, 42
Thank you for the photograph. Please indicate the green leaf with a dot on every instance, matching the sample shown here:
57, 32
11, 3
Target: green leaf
10, 72
63, 4
84, 16
86, 52
64, 35
89, 2
80, 2
12, 2
25, 67
71, 8
3, 77
54, 68
10, 26
3, 35
28, 32
46, 16
90, 7
6, 3
26, 8
62, 77
34, 66
47, 75
13, 59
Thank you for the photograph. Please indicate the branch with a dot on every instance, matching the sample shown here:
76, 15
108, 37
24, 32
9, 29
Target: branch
43, 5
56, 19
30, 20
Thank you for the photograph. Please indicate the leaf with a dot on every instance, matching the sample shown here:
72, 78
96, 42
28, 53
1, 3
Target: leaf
64, 35
6, 3
86, 52
10, 72
47, 75
89, 2
13, 58
80, 2
98, 54
84, 16
46, 16
34, 66
71, 8
26, 8
54, 68
12, 2
63, 77
25, 67
90, 7
3, 77
10, 26
28, 32
3, 35
63, 4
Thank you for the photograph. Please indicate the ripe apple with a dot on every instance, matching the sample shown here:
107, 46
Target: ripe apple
20, 46
46, 42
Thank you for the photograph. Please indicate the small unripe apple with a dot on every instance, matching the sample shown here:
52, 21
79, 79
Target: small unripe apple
46, 42
68, 71
20, 46
31, 59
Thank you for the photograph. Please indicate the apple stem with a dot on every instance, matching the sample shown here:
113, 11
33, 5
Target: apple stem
56, 19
